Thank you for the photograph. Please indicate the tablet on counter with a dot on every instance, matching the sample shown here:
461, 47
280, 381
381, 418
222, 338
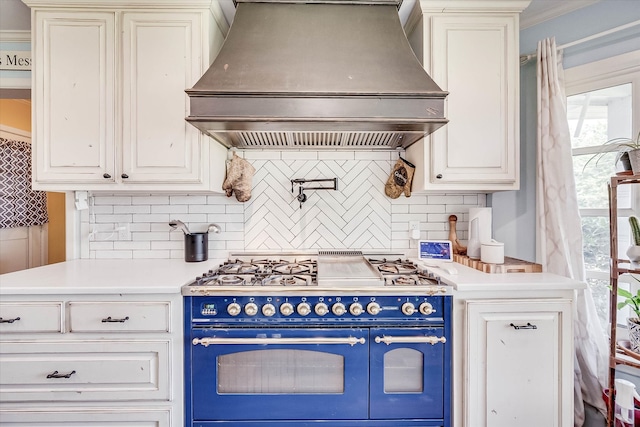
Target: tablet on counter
435, 251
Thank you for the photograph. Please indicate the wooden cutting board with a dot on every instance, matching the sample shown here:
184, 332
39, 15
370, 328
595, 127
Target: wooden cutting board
511, 265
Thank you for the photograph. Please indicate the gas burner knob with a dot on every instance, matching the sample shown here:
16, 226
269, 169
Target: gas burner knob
426, 308
286, 309
373, 308
321, 309
408, 308
251, 309
233, 309
304, 309
338, 309
268, 310
356, 309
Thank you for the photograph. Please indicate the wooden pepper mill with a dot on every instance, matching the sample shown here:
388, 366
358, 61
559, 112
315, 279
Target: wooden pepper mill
458, 249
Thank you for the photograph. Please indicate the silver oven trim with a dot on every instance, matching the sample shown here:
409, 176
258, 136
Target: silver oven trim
265, 341
388, 339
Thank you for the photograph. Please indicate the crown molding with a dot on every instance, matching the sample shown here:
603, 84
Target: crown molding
547, 10
21, 36
452, 6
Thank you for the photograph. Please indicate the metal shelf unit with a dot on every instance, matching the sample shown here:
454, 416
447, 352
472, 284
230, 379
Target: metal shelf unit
617, 268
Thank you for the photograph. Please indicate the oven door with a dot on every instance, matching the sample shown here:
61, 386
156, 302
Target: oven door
409, 373
276, 374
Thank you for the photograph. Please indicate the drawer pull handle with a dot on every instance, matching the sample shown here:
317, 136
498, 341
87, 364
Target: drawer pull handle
8, 320
110, 320
527, 326
55, 374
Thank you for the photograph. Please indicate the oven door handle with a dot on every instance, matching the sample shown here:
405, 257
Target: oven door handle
291, 341
388, 339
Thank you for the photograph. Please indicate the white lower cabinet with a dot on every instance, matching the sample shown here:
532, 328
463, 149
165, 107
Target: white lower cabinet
91, 360
518, 363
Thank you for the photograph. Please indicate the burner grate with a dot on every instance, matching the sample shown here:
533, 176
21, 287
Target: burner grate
302, 271
287, 280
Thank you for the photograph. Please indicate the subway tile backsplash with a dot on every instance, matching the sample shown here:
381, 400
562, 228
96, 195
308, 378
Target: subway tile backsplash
356, 216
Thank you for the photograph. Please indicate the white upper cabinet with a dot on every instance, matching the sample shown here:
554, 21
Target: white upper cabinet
470, 49
74, 97
161, 58
109, 96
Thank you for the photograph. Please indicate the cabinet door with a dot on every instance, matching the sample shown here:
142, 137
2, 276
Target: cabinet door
73, 95
475, 59
162, 56
519, 363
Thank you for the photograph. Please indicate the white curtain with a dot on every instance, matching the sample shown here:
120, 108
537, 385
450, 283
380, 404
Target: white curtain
559, 229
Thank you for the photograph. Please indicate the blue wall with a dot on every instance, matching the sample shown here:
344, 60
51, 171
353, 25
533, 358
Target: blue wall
514, 216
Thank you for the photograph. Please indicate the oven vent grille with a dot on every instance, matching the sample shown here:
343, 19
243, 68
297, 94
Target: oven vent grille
340, 253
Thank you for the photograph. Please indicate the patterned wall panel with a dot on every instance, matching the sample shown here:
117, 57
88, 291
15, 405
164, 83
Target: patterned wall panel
356, 215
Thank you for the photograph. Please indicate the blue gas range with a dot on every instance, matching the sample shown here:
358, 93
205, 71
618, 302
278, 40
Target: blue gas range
335, 339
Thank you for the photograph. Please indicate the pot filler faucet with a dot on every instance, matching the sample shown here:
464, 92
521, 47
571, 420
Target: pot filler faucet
301, 181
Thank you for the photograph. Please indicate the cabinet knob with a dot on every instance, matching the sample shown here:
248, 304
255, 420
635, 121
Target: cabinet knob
124, 176
106, 176
439, 176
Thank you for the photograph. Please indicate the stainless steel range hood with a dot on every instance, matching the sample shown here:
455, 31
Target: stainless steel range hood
317, 74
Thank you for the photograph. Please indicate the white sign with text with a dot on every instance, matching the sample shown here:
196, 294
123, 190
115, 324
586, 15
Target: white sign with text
15, 60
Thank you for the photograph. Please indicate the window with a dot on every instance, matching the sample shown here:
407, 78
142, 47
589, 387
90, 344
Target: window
601, 100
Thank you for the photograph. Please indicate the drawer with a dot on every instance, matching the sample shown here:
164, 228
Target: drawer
112, 417
84, 371
119, 316
30, 317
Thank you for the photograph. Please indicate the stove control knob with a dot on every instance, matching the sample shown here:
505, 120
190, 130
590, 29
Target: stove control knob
268, 310
408, 308
304, 309
233, 309
426, 308
286, 309
373, 308
321, 309
356, 309
338, 309
251, 309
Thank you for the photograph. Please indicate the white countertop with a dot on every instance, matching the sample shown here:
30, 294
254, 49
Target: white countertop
95, 276
470, 279
91, 276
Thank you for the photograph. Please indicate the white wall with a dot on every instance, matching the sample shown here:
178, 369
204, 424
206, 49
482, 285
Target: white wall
356, 216
14, 15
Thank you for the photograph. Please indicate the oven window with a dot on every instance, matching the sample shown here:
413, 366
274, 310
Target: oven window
280, 371
403, 371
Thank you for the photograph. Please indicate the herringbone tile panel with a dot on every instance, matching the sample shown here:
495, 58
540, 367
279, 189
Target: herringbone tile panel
356, 216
